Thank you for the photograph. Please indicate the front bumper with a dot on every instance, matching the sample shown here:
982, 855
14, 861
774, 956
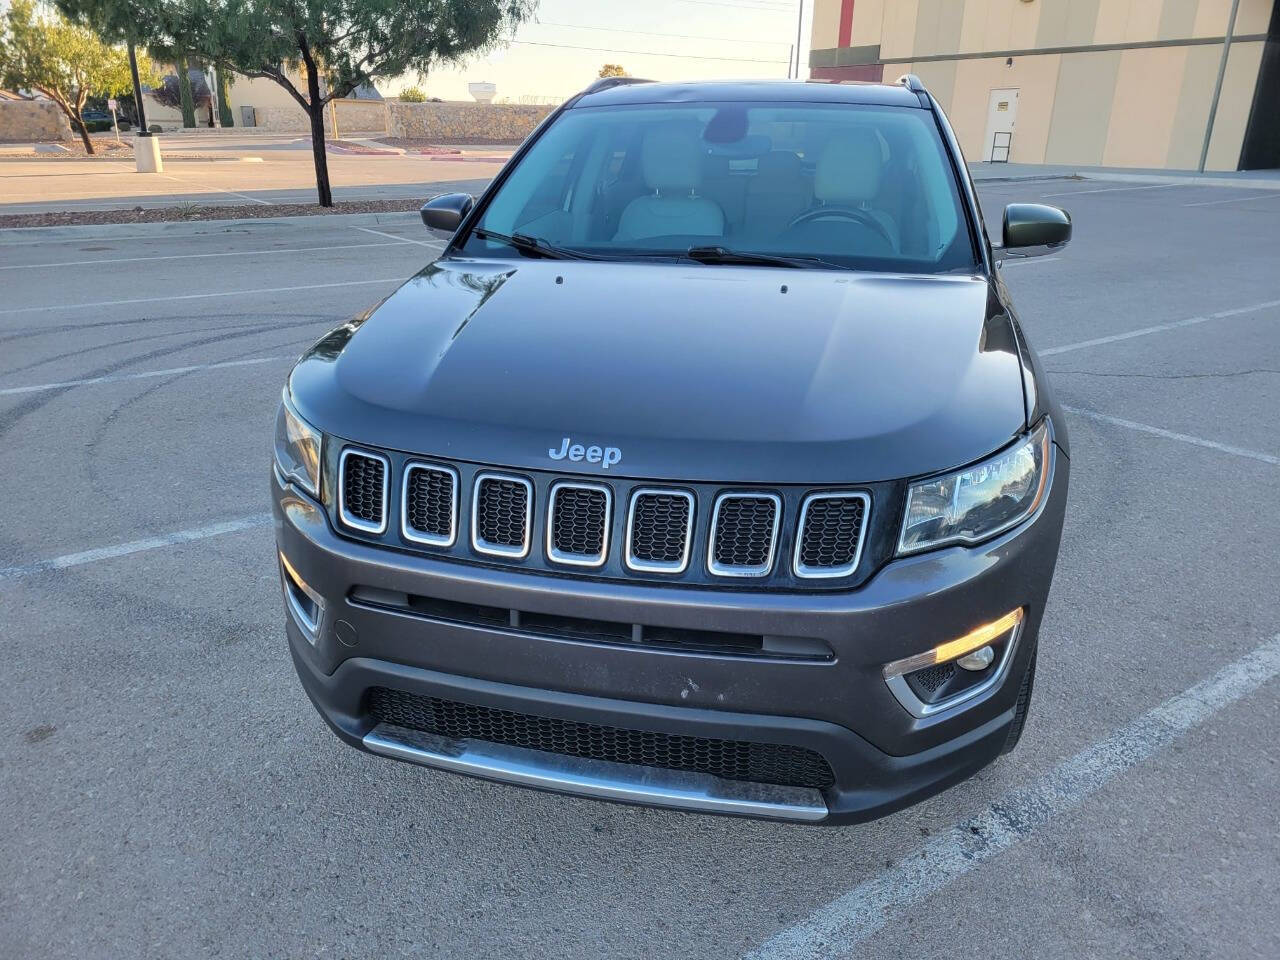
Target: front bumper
882, 757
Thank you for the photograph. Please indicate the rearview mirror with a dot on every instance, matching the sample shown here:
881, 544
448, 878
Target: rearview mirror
445, 212
1034, 229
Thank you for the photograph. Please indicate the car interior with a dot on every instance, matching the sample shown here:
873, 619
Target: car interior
867, 183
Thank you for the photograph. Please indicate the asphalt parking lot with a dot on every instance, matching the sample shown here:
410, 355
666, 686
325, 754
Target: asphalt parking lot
168, 791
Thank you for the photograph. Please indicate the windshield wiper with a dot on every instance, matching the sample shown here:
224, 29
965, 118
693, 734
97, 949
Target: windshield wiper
722, 255
532, 246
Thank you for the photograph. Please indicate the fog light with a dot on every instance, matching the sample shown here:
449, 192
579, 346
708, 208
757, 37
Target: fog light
977, 661
972, 641
304, 603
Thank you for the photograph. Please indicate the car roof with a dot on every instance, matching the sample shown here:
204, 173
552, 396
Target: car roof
777, 91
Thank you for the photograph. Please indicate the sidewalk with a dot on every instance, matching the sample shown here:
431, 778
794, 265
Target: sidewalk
1250, 179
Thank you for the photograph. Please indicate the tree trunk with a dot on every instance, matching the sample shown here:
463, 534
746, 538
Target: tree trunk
315, 107
184, 92
81, 129
224, 104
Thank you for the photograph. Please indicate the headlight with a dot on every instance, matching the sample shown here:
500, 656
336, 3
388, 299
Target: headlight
297, 447
980, 501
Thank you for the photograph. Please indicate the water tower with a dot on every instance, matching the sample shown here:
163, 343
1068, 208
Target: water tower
484, 91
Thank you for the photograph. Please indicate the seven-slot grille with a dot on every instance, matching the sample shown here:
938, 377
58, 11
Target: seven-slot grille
744, 532
430, 510
501, 514
659, 530
578, 528
362, 478
832, 527
830, 530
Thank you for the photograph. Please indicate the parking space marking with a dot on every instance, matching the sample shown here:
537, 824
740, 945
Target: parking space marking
1151, 186
135, 546
242, 196
1160, 328
1274, 194
1017, 814
1022, 261
1171, 435
198, 256
198, 296
433, 244
144, 375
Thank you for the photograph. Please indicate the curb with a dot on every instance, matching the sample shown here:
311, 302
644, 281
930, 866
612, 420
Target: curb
191, 228
1247, 183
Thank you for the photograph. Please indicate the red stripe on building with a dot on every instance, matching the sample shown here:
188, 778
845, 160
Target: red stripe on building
846, 23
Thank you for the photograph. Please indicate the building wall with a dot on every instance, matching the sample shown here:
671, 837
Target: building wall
1114, 82
32, 121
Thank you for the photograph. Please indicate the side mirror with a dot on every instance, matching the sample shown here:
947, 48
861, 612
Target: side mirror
445, 212
1034, 229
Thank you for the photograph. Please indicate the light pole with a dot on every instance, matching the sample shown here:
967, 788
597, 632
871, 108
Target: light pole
1217, 87
799, 22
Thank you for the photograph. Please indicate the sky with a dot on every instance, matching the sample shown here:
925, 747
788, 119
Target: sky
563, 48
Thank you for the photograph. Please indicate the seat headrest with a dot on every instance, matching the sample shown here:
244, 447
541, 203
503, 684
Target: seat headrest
671, 157
849, 168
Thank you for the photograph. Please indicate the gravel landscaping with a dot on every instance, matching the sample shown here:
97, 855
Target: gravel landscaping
193, 212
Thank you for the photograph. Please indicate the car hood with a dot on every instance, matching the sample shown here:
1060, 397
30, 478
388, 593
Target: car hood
720, 373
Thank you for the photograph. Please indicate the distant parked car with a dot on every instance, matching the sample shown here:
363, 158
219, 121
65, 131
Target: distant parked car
96, 120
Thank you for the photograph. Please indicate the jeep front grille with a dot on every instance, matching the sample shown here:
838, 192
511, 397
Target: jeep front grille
659, 530
362, 480
501, 515
832, 528
728, 759
430, 504
744, 530
578, 524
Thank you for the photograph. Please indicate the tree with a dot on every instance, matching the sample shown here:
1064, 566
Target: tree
612, 70
321, 50
66, 63
169, 92
224, 100
185, 99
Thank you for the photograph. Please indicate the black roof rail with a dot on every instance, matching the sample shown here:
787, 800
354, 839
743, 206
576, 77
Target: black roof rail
605, 83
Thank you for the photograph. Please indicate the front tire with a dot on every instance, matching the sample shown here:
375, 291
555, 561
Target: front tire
1023, 705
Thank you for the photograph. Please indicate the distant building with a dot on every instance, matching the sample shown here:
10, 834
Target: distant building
1084, 82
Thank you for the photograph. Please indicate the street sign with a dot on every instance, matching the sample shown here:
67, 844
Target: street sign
112, 106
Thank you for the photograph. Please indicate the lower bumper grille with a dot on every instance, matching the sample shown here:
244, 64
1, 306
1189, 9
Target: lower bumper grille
727, 759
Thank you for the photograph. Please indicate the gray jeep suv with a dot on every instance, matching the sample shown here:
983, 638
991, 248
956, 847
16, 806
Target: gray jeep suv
708, 467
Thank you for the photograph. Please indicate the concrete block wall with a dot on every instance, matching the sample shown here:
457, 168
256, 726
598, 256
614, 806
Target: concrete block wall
461, 121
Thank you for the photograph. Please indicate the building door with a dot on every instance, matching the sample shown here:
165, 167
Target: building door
1002, 112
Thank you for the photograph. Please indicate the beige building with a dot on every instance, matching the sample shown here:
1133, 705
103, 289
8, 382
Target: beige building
1082, 82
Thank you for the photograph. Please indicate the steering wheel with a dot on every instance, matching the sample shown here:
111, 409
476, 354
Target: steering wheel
844, 213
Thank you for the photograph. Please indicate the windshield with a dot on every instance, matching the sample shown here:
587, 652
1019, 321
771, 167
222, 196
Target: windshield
845, 185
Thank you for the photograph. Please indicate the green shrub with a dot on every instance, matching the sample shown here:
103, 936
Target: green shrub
413, 95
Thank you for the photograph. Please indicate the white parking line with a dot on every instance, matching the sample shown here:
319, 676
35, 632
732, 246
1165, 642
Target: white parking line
198, 256
1160, 328
1023, 261
1153, 186
1274, 194
1016, 815
198, 296
242, 196
1171, 435
146, 374
434, 244
135, 546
